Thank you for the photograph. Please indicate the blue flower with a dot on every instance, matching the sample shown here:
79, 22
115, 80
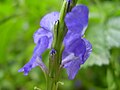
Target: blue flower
77, 49
43, 39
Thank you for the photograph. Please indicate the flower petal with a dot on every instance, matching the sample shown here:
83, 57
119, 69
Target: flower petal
27, 67
48, 20
34, 61
70, 36
71, 61
73, 54
40, 33
72, 68
66, 58
77, 20
88, 49
76, 52
74, 44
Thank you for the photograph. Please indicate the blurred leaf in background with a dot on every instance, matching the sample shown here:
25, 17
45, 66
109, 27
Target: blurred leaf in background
19, 19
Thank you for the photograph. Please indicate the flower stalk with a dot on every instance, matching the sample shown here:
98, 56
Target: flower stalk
55, 59
62, 33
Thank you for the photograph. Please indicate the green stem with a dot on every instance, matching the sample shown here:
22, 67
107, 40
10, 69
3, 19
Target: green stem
55, 59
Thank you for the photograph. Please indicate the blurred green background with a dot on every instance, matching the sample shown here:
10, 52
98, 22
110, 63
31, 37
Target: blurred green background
19, 19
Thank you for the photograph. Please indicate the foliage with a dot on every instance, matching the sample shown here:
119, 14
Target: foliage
19, 19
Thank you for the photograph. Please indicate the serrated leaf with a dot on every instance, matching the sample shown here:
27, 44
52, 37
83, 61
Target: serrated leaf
102, 40
113, 32
100, 53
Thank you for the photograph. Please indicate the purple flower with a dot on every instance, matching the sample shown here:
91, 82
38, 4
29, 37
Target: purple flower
77, 49
43, 39
69, 0
77, 19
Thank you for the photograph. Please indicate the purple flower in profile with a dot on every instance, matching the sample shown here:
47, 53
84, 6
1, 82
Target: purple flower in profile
77, 49
43, 39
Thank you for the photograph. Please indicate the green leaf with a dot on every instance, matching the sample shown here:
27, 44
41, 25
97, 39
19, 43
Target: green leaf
100, 54
113, 32
103, 37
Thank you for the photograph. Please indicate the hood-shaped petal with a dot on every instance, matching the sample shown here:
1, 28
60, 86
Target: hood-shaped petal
77, 20
49, 20
42, 32
34, 61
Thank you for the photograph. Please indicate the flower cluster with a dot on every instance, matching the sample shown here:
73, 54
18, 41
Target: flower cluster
77, 49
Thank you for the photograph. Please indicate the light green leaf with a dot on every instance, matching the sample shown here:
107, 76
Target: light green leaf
113, 32
100, 53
